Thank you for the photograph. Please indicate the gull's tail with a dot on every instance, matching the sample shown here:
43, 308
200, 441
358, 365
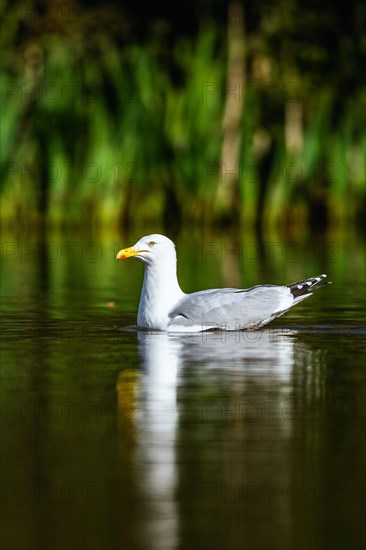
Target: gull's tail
302, 289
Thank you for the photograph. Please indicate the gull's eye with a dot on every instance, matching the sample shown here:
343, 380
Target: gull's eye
152, 243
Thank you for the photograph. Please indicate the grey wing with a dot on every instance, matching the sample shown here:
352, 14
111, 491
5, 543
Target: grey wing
231, 309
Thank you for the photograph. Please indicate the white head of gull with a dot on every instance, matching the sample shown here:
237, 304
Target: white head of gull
165, 307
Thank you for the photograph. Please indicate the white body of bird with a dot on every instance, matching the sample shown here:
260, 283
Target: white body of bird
165, 307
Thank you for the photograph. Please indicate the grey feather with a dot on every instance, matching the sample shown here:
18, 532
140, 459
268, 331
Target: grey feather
232, 309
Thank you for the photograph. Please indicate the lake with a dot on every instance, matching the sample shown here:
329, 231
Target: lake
117, 438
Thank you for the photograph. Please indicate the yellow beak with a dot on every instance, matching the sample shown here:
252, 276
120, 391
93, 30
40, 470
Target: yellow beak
128, 253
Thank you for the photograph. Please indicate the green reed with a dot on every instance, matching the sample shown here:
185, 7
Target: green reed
92, 132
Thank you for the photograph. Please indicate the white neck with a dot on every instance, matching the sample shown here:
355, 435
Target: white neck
160, 293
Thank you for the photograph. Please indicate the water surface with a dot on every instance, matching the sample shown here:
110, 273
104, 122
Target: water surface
116, 438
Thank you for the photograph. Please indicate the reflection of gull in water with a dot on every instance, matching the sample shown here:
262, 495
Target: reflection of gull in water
156, 425
267, 352
247, 369
267, 357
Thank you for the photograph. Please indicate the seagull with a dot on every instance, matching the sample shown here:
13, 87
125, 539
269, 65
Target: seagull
165, 307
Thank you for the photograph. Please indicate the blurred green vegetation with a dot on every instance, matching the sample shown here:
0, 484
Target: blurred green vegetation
108, 121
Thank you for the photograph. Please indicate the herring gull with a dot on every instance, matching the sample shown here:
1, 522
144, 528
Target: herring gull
165, 307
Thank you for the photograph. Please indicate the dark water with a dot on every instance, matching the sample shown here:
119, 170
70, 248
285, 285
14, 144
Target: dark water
116, 439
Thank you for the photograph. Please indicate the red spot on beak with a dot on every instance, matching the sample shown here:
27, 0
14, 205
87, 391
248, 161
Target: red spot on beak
123, 257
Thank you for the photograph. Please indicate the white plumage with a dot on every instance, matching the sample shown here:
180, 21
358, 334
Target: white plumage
165, 307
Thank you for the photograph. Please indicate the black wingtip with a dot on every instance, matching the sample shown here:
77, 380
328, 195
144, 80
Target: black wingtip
308, 285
